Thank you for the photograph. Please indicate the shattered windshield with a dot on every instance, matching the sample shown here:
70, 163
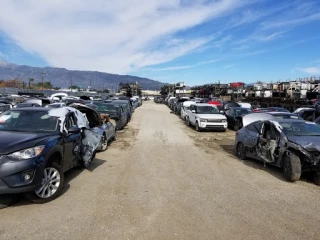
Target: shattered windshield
207, 110
28, 121
300, 128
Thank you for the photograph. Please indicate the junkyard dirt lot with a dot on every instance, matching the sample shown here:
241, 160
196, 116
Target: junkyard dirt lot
163, 180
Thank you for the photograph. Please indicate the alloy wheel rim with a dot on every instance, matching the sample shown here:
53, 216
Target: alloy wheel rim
50, 183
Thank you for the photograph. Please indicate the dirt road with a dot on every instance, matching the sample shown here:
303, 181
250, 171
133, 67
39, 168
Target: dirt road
163, 180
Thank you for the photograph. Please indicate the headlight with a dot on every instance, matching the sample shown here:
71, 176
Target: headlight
203, 120
27, 153
224, 120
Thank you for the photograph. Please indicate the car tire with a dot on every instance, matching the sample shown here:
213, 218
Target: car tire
316, 178
241, 151
103, 143
115, 136
38, 195
198, 129
8, 200
188, 121
292, 168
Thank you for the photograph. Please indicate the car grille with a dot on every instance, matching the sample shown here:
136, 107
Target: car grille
215, 120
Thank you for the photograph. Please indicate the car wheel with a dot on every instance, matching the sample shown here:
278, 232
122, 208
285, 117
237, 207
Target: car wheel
115, 136
51, 184
316, 178
198, 129
292, 168
241, 151
103, 143
188, 121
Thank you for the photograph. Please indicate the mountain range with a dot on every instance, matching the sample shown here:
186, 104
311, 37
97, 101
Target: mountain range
64, 78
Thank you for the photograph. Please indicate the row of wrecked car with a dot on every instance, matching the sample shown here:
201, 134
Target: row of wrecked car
39, 144
274, 136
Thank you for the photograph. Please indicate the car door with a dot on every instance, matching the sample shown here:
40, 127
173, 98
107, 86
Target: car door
253, 132
111, 131
124, 116
72, 143
193, 114
229, 115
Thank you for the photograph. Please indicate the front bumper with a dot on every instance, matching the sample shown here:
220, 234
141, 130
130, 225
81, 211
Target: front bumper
13, 172
210, 125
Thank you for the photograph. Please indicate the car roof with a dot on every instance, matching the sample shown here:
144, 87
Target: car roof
287, 120
121, 101
240, 108
204, 104
44, 109
280, 113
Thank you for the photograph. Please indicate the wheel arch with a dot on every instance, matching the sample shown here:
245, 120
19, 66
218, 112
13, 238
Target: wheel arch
55, 154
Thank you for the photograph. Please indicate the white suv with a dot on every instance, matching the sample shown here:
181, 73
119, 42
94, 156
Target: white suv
206, 116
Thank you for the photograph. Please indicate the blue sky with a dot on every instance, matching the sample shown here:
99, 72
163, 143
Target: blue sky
195, 41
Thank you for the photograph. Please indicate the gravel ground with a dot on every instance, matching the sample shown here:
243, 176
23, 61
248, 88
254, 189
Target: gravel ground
164, 180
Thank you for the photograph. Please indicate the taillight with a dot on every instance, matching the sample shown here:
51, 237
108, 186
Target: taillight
255, 110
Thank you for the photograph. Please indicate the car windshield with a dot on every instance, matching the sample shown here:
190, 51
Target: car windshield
300, 128
207, 110
28, 121
107, 108
241, 112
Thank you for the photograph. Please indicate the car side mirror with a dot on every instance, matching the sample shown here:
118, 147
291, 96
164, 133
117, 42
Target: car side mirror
222, 112
74, 130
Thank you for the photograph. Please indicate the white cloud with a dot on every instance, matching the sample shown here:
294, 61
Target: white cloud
185, 66
271, 36
310, 70
112, 36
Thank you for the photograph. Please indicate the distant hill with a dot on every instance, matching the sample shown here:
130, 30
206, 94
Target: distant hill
60, 77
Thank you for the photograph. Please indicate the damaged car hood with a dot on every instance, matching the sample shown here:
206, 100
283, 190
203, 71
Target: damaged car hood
61, 113
310, 143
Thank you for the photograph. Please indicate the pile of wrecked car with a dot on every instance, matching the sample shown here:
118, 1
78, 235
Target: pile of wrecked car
39, 144
274, 136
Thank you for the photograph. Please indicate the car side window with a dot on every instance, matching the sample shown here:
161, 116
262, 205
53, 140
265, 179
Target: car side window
308, 115
254, 127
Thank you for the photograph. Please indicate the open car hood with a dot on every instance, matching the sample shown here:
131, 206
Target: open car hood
61, 114
254, 117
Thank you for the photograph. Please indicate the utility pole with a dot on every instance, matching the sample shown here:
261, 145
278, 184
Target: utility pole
42, 77
71, 81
